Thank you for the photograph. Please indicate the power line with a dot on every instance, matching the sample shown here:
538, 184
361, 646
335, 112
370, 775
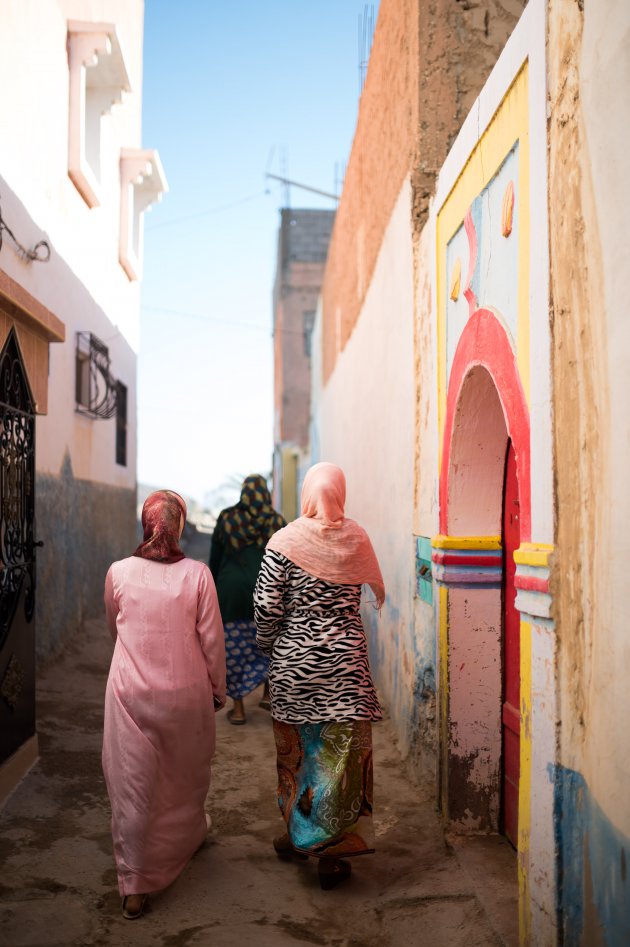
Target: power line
219, 209
204, 318
218, 321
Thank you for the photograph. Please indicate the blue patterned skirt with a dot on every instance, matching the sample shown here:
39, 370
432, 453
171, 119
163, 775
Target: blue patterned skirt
247, 667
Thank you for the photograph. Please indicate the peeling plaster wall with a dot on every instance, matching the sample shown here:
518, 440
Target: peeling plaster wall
589, 75
423, 733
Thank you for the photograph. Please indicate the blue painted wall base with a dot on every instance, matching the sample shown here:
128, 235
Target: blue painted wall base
593, 883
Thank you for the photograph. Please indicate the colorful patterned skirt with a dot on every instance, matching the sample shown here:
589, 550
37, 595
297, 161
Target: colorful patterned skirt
325, 786
247, 667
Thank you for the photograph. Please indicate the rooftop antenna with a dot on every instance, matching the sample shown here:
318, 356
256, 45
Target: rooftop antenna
365, 36
272, 151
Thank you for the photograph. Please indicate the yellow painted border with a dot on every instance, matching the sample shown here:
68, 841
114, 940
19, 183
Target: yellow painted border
466, 542
509, 124
533, 554
525, 785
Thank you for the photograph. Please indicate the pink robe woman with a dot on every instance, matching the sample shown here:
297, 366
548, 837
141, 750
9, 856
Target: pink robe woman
166, 677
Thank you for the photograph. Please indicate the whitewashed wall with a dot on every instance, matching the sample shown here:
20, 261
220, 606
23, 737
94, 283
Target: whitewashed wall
84, 284
85, 501
364, 420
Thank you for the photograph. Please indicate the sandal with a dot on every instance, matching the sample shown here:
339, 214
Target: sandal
265, 703
285, 850
236, 721
133, 915
332, 872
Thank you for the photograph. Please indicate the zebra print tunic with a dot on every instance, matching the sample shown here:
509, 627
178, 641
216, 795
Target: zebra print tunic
313, 634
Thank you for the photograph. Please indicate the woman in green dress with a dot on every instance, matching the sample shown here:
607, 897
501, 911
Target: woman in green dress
238, 544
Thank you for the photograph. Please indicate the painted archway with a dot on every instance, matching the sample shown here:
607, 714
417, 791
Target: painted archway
485, 343
486, 411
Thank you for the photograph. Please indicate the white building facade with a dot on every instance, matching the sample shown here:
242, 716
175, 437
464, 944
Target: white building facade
74, 184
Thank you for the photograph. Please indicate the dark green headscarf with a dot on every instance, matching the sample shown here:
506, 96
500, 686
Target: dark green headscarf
253, 520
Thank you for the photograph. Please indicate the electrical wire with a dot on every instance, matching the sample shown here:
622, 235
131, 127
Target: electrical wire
218, 321
30, 256
208, 213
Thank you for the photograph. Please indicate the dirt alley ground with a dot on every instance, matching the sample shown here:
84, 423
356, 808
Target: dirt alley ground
58, 883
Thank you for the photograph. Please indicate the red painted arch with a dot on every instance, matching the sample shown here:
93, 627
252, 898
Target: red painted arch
485, 342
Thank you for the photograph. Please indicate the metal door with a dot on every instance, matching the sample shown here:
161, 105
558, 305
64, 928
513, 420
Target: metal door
511, 717
17, 552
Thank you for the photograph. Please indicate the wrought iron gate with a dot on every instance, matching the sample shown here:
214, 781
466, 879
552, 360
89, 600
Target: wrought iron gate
17, 552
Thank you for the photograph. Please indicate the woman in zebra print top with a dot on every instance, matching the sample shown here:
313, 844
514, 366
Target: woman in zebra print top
323, 700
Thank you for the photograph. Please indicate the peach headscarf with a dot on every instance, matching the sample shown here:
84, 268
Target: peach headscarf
323, 541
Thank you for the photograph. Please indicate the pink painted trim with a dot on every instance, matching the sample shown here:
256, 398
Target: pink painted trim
471, 233
531, 583
484, 342
449, 559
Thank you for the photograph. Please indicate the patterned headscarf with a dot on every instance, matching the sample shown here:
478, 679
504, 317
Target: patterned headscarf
161, 520
253, 520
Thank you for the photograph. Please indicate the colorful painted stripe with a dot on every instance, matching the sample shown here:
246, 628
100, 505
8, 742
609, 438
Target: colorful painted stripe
533, 554
532, 583
467, 560
533, 599
466, 542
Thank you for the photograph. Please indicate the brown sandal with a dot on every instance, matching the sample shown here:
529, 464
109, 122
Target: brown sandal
133, 915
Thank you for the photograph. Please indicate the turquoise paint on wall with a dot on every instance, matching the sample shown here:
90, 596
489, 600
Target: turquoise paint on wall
424, 575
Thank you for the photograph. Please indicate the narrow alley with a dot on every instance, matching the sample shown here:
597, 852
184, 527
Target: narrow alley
59, 883
371, 335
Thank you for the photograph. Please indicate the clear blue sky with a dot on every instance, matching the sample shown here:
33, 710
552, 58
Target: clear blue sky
225, 84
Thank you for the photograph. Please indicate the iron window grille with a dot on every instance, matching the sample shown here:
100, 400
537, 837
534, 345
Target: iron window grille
96, 388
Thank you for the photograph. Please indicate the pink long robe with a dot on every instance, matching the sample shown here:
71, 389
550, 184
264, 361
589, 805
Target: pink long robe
167, 671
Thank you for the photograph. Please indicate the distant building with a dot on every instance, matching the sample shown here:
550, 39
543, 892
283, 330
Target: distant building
303, 241
74, 183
